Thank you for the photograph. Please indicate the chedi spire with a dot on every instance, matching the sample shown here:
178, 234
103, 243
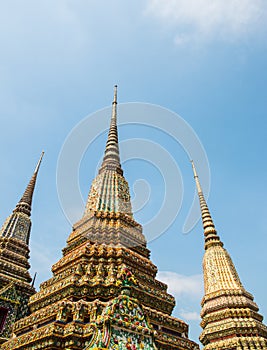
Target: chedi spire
108, 213
210, 232
24, 205
110, 192
18, 224
230, 318
111, 158
15, 279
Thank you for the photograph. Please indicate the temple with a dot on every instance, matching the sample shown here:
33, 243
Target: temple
230, 318
103, 293
15, 280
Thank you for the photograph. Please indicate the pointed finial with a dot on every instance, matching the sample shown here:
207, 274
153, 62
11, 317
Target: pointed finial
115, 93
24, 205
210, 232
114, 107
111, 158
39, 163
199, 189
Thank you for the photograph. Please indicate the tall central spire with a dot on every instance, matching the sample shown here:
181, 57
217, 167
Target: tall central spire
110, 192
111, 158
230, 318
108, 206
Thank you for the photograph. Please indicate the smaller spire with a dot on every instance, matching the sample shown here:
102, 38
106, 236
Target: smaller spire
24, 205
111, 158
210, 232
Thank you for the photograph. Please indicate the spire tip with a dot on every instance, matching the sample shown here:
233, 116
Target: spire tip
115, 93
194, 169
39, 163
112, 156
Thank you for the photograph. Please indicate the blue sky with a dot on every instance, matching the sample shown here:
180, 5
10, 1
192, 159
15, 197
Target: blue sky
204, 60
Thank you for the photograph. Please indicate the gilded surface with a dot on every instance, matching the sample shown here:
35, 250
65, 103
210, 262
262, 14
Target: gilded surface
103, 293
230, 318
14, 265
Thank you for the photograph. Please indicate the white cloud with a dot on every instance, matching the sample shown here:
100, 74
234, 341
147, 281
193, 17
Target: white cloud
189, 315
183, 286
209, 19
188, 292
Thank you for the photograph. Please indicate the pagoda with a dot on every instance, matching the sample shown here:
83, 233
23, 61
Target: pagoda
103, 293
230, 318
15, 280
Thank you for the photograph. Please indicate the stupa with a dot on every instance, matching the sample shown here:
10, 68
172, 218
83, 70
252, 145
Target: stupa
15, 281
103, 293
230, 318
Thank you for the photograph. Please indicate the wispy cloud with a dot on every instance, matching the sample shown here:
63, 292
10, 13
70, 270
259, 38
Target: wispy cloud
189, 315
183, 286
207, 20
188, 292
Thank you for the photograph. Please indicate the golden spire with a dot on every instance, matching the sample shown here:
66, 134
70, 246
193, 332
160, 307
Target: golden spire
210, 232
111, 158
109, 202
110, 191
18, 224
24, 205
230, 317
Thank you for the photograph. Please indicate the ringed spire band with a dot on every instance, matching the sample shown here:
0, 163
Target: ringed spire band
24, 205
210, 232
111, 158
12, 225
